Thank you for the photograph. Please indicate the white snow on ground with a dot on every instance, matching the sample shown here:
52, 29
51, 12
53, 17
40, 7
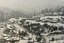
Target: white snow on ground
23, 29
56, 24
12, 20
54, 17
59, 41
44, 17
1, 31
23, 41
18, 27
9, 26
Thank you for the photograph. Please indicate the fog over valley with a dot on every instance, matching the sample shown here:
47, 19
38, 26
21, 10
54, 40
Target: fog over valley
30, 5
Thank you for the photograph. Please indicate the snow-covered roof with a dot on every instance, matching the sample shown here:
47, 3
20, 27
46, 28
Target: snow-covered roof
21, 18
23, 41
12, 19
9, 26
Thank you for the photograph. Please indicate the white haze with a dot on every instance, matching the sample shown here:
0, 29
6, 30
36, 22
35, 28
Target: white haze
30, 5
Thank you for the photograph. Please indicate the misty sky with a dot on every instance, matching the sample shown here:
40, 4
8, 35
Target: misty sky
30, 4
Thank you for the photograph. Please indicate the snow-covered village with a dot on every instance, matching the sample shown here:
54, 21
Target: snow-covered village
31, 21
48, 29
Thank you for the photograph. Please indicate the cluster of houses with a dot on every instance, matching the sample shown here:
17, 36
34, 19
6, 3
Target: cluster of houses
45, 30
52, 19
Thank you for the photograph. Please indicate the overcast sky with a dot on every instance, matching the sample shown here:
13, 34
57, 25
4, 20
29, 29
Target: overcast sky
30, 4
